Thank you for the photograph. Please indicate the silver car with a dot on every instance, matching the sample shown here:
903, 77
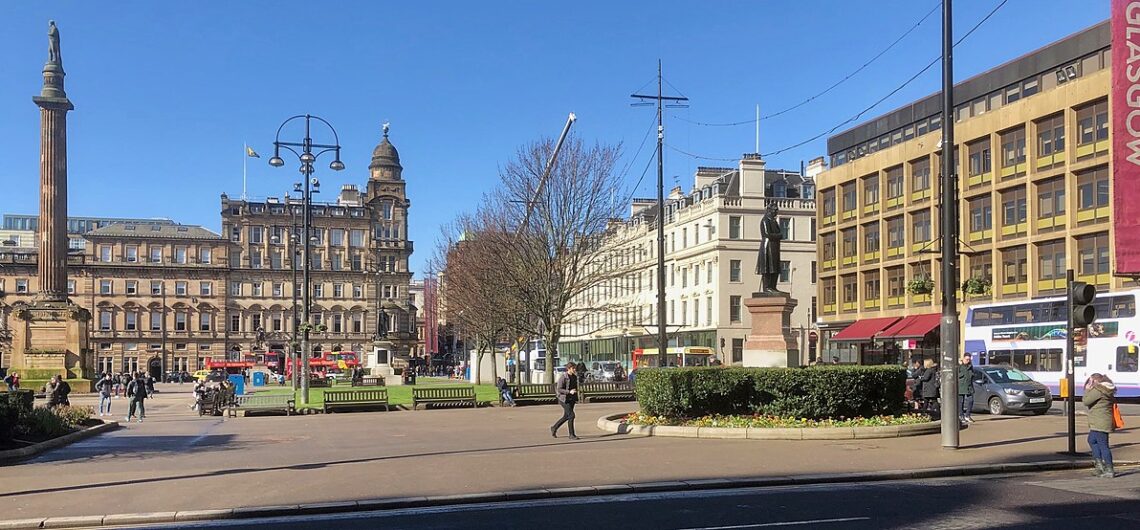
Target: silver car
1002, 389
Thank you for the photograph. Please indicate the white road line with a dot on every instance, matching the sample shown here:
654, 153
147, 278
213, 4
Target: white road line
782, 523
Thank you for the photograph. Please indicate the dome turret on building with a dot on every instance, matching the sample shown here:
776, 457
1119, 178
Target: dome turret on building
385, 154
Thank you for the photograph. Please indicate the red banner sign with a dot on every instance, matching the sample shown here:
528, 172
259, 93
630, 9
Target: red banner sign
1125, 107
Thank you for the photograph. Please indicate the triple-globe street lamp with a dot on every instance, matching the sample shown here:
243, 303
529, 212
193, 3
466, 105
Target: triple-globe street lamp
304, 151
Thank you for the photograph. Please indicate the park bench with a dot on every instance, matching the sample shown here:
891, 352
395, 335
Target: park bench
606, 390
452, 394
532, 392
258, 403
369, 380
356, 399
319, 382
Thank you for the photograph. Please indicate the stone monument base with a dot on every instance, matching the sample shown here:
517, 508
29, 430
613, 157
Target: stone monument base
49, 339
771, 343
382, 352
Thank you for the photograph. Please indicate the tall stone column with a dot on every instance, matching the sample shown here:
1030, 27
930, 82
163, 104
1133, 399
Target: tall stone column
54, 106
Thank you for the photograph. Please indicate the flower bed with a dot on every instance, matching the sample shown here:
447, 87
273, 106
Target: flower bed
774, 422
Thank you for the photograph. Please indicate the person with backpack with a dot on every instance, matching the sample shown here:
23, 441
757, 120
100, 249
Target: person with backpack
137, 392
13, 381
104, 387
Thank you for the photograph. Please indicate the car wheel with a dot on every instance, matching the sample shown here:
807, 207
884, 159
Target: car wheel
997, 408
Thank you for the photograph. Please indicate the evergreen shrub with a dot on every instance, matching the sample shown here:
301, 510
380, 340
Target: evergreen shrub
818, 392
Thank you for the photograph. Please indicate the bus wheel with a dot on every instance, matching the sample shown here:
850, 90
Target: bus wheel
997, 408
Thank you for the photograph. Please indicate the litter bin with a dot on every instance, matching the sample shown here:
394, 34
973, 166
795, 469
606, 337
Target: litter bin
239, 384
259, 379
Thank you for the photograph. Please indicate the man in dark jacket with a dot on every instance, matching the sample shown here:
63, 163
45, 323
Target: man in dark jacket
137, 392
567, 391
965, 389
57, 391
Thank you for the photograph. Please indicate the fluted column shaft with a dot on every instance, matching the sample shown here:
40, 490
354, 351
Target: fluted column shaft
53, 203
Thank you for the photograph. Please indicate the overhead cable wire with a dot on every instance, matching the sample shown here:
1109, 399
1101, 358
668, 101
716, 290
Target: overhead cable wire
828, 89
877, 102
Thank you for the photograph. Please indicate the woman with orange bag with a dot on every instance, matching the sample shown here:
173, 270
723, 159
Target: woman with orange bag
1104, 417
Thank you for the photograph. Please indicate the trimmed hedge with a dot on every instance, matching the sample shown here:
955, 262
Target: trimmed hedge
817, 392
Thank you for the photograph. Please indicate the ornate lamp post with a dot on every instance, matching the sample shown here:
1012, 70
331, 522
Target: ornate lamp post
304, 152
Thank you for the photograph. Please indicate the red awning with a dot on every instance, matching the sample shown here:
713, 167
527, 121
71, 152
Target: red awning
864, 330
913, 327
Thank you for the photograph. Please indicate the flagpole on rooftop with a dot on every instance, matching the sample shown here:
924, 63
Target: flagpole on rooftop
244, 163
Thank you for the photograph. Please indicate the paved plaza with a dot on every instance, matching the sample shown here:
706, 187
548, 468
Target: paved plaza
179, 461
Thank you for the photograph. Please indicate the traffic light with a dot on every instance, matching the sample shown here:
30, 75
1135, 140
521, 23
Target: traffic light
1081, 298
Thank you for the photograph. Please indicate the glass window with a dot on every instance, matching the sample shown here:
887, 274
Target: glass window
828, 206
1013, 205
981, 213
896, 235
255, 234
156, 321
1051, 135
180, 288
871, 237
1013, 148
849, 200
734, 270
785, 271
850, 290
734, 308
105, 287
1014, 267
132, 287
827, 244
205, 254
204, 321
180, 321
105, 317
871, 190
1092, 123
336, 237
871, 286
1092, 254
1092, 191
1051, 260
828, 291
105, 253
848, 243
1051, 200
920, 221
981, 265
356, 238
180, 255
979, 157
132, 254
920, 175
734, 227
155, 254
895, 182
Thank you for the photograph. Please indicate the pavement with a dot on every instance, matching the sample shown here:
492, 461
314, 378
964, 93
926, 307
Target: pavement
177, 461
1063, 500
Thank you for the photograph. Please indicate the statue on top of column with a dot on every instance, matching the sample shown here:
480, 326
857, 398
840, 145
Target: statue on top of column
53, 44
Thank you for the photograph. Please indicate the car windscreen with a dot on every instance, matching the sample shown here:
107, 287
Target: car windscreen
1007, 375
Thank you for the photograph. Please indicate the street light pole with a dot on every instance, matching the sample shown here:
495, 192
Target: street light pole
949, 323
311, 185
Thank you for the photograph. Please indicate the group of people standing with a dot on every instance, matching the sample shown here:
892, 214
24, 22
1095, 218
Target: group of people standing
928, 388
138, 387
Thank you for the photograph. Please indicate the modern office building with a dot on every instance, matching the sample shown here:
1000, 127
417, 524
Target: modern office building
1032, 141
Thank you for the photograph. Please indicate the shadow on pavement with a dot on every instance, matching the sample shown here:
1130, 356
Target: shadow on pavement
170, 445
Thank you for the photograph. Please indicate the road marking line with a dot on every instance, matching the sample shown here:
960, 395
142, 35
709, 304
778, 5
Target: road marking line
783, 523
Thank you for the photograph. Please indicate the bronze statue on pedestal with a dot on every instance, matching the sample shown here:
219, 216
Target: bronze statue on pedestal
768, 260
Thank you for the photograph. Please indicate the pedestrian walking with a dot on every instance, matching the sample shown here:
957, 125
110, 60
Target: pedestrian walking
13, 381
1104, 417
137, 394
965, 389
567, 390
118, 385
505, 391
930, 387
104, 387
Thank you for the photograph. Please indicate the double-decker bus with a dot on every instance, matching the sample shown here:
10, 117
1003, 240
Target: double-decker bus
334, 363
1030, 336
676, 356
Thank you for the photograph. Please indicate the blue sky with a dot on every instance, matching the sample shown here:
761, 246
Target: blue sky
166, 93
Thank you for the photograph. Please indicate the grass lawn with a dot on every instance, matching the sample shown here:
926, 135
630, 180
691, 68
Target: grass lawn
397, 395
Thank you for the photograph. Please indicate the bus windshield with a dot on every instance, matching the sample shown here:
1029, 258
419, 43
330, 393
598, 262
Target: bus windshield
1007, 375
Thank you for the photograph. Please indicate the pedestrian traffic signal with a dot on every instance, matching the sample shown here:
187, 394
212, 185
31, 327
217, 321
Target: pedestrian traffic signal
1081, 297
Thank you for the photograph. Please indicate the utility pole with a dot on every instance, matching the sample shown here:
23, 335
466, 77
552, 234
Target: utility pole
680, 102
949, 324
